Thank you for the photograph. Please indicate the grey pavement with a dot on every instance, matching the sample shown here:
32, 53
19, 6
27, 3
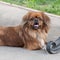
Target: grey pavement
12, 16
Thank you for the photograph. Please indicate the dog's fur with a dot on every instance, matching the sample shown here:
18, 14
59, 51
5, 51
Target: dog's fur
26, 36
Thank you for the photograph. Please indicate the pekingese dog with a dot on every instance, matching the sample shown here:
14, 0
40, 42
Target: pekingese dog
31, 35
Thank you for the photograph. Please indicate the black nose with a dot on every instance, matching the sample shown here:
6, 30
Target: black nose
36, 22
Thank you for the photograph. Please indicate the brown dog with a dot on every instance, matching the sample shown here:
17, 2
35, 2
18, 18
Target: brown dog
31, 35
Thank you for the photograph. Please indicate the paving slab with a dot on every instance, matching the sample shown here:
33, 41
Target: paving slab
12, 16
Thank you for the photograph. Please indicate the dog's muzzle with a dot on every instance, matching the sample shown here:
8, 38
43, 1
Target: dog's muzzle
36, 24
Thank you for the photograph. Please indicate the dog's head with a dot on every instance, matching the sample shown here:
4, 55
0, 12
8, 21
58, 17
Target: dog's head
36, 20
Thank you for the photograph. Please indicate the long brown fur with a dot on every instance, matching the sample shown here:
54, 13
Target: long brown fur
24, 36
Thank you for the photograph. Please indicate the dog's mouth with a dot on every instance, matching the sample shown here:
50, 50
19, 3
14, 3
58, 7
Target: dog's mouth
36, 26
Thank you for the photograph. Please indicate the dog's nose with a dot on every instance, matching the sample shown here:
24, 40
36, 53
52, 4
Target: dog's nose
35, 21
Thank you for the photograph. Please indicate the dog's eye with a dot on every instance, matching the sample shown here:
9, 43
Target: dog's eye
35, 16
39, 18
31, 18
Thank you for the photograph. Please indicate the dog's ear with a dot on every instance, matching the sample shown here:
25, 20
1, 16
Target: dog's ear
46, 22
46, 19
27, 16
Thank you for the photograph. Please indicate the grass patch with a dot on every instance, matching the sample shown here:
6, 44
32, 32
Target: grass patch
51, 6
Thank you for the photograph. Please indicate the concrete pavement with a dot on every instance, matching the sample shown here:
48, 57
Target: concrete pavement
12, 16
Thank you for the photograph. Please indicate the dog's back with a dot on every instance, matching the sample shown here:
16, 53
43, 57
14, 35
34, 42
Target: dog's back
10, 36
